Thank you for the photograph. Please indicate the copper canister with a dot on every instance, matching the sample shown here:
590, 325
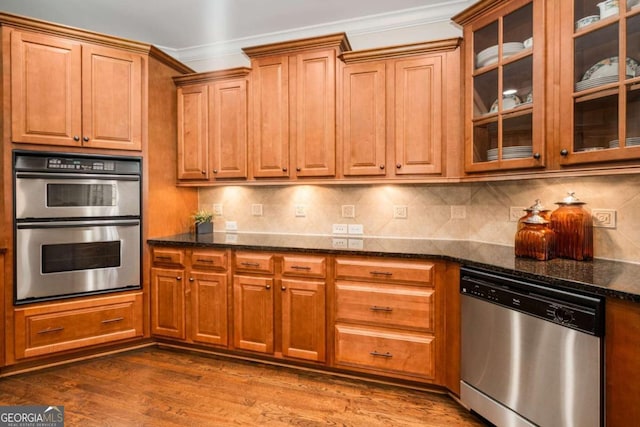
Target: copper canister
535, 239
539, 208
574, 229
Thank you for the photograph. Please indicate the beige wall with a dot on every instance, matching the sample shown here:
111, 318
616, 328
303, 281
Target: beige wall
486, 206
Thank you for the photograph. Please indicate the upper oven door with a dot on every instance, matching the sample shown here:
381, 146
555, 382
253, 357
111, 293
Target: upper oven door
59, 195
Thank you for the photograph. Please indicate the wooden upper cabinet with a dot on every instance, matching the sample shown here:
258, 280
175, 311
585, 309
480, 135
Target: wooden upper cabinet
294, 107
193, 133
505, 109
418, 116
363, 119
76, 94
213, 134
270, 104
393, 110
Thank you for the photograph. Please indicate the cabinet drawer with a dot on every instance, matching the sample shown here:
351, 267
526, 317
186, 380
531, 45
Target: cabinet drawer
384, 350
57, 327
307, 266
386, 305
254, 262
209, 260
384, 270
166, 256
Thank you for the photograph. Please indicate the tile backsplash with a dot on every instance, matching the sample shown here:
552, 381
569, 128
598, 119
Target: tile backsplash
467, 211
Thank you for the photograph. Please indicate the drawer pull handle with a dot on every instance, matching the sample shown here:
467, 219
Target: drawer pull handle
115, 319
49, 330
300, 267
205, 261
385, 309
250, 264
165, 257
377, 354
381, 273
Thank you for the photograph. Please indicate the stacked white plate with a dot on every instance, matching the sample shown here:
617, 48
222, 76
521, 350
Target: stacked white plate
490, 55
605, 72
629, 142
598, 81
517, 152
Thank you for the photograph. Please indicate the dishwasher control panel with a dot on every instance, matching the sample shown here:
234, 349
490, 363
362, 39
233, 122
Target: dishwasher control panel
573, 310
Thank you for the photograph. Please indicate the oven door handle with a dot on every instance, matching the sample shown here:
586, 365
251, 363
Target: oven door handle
78, 224
76, 176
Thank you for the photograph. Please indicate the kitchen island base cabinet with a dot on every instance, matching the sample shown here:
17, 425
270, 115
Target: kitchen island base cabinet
55, 327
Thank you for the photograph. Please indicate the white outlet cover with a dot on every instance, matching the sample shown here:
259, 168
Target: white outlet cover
339, 243
217, 209
356, 229
300, 211
231, 226
339, 229
356, 244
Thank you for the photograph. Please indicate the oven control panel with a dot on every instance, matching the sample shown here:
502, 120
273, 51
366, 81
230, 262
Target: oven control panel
89, 165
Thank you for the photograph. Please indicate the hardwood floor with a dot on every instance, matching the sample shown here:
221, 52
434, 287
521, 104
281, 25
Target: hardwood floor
161, 387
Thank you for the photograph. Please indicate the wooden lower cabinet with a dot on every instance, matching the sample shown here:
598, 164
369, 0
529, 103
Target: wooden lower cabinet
50, 328
389, 318
622, 370
189, 295
280, 308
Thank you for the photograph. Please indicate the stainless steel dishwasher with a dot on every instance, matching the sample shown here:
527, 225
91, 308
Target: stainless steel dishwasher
531, 354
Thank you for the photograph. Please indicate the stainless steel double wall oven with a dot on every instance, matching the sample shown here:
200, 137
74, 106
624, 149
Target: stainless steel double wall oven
77, 223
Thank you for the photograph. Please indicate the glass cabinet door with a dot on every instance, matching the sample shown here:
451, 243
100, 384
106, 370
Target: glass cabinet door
602, 93
506, 90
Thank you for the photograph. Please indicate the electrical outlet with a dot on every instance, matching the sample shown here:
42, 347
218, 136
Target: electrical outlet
348, 211
605, 218
231, 226
231, 238
300, 211
356, 229
356, 244
256, 209
400, 212
458, 212
515, 213
217, 209
339, 229
340, 243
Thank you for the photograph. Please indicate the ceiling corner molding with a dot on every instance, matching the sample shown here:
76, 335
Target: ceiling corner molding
407, 18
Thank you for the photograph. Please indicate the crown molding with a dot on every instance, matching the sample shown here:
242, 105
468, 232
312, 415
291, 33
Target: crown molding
397, 20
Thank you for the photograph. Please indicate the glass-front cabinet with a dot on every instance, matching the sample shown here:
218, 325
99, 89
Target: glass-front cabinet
600, 81
505, 68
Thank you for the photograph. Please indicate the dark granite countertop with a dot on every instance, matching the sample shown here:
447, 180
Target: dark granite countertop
607, 278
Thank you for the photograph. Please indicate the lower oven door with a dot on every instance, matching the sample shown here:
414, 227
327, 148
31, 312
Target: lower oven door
68, 258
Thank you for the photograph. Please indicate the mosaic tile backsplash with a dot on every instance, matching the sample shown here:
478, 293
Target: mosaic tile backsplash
468, 211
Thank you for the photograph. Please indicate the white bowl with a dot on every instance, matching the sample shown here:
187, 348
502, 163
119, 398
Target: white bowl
587, 20
508, 102
528, 43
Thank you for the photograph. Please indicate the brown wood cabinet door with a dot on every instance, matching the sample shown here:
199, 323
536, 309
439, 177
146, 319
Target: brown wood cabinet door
363, 124
167, 303
45, 89
314, 107
193, 131
112, 98
303, 319
418, 116
228, 128
253, 313
208, 307
270, 78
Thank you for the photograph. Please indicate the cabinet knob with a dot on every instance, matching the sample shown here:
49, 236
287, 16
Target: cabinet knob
215, 171
76, 138
85, 139
284, 169
267, 286
298, 169
564, 152
284, 288
381, 166
191, 279
179, 278
537, 156
398, 166
203, 172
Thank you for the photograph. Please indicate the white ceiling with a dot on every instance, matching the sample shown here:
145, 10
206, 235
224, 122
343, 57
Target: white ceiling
185, 24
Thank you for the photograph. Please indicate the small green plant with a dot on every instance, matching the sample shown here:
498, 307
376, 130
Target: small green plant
202, 216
